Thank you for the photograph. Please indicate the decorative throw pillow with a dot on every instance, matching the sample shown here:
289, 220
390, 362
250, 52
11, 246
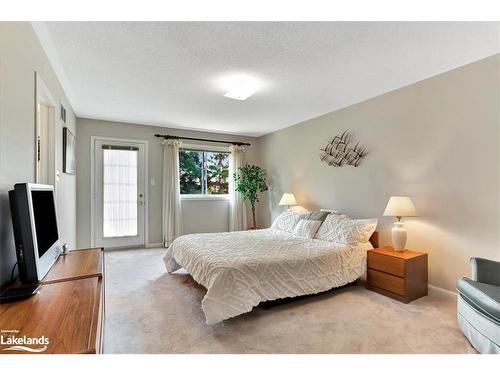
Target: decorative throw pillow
306, 228
318, 215
366, 227
287, 220
338, 229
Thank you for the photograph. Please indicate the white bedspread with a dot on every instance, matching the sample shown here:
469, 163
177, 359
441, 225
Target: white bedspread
242, 269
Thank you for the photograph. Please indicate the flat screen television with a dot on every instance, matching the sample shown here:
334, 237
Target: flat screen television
35, 230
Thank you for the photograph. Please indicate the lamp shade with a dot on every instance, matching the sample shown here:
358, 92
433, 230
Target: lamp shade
399, 207
288, 199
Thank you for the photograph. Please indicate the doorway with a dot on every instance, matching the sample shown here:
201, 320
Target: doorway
119, 209
45, 135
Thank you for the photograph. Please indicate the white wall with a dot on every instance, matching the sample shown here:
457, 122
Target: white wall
198, 216
20, 56
436, 141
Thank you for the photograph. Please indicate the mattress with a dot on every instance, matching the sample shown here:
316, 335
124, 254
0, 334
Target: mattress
242, 269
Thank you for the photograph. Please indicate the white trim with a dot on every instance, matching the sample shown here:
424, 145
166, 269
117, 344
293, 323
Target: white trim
92, 192
93, 139
116, 248
449, 292
205, 197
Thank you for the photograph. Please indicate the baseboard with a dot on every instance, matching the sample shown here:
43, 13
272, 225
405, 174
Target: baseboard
118, 248
156, 244
442, 290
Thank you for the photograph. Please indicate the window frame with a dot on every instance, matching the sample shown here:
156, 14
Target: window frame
204, 196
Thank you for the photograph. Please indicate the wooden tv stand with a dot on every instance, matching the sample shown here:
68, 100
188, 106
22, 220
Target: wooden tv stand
68, 310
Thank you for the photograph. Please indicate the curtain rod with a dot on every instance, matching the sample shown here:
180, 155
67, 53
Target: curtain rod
166, 136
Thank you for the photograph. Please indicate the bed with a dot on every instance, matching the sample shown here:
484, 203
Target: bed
242, 269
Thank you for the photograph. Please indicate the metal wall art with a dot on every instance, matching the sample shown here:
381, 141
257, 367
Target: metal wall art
339, 151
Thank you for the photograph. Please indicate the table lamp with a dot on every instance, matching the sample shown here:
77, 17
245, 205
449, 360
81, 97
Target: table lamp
399, 207
288, 199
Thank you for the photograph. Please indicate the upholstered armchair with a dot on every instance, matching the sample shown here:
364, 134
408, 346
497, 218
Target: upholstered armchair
478, 306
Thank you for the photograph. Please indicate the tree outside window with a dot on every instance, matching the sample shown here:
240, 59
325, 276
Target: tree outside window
203, 172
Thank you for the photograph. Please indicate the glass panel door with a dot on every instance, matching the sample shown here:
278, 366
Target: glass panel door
119, 192
119, 206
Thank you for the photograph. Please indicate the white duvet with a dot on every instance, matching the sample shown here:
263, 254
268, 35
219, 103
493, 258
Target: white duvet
242, 269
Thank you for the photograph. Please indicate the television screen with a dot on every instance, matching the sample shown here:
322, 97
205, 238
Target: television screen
44, 213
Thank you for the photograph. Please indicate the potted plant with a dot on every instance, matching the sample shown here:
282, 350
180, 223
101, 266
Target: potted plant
250, 180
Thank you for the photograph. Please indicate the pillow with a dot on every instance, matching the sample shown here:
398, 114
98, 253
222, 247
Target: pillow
287, 220
318, 215
365, 246
338, 229
298, 209
306, 228
335, 212
366, 227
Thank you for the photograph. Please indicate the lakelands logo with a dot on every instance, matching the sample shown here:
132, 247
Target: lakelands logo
23, 343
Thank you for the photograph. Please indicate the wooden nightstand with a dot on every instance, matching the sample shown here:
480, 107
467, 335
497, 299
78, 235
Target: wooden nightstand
399, 275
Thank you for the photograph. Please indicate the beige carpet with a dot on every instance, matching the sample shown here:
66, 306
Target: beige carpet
150, 311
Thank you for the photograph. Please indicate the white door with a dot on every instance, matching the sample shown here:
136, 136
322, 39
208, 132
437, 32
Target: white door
119, 188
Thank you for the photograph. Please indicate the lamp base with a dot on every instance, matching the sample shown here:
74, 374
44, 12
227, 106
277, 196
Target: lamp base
398, 236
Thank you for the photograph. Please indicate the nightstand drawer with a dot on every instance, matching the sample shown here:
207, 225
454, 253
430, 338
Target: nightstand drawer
387, 264
385, 281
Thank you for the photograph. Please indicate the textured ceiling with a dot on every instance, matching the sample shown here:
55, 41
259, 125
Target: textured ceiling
174, 73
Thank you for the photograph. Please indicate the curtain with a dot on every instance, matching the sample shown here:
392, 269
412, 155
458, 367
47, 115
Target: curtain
237, 209
172, 215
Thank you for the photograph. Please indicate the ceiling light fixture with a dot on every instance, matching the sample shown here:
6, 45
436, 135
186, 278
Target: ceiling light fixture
241, 90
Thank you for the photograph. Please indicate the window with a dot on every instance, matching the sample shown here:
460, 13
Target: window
203, 172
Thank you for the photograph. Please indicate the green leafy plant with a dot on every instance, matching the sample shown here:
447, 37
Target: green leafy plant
250, 180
